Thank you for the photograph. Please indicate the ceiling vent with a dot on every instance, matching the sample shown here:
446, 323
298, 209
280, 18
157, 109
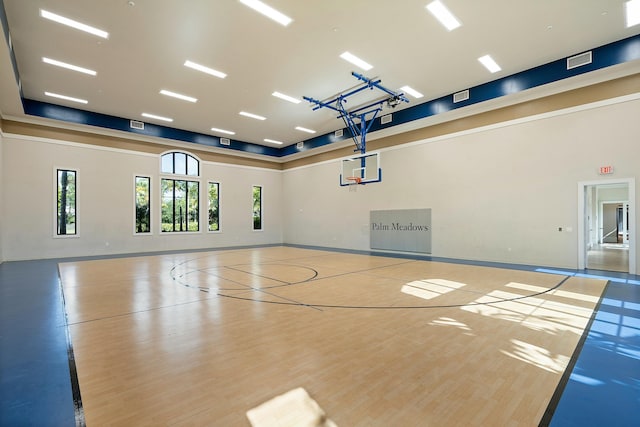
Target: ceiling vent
386, 119
461, 96
300, 145
579, 60
225, 141
135, 124
338, 133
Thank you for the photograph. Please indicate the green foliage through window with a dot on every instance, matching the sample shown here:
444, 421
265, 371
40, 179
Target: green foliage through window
257, 207
143, 206
66, 209
214, 206
180, 202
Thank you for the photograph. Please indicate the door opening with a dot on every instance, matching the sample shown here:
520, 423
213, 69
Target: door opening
606, 214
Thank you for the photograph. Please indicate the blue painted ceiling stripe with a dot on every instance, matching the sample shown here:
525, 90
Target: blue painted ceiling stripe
605, 56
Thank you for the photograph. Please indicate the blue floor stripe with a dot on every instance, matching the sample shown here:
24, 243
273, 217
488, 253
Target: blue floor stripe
35, 382
604, 385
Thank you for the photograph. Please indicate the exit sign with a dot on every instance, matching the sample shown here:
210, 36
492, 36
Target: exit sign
606, 170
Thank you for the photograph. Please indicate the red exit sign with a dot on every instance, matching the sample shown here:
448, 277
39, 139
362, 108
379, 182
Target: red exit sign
605, 170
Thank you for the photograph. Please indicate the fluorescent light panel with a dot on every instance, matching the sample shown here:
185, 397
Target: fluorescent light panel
253, 116
489, 63
356, 61
300, 128
69, 66
178, 96
272, 141
74, 24
228, 132
632, 12
411, 91
204, 69
66, 98
268, 11
442, 14
286, 97
153, 116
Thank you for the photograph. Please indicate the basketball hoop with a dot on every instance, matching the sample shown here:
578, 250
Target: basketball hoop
354, 180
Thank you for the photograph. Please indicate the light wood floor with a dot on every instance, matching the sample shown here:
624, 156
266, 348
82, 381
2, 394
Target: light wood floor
198, 339
609, 257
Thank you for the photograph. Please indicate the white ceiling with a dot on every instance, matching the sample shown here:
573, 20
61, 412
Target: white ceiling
150, 41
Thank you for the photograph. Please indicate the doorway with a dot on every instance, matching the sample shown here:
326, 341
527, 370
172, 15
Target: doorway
606, 212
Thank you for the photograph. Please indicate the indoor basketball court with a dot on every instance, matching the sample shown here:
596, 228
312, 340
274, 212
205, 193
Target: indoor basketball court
318, 214
183, 339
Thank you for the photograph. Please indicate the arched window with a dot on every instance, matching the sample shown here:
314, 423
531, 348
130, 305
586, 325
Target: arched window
180, 193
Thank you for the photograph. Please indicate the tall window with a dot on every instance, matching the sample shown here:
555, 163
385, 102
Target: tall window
143, 205
257, 207
66, 201
180, 197
214, 206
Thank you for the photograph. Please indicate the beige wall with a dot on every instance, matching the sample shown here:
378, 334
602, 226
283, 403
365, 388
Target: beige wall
497, 193
106, 202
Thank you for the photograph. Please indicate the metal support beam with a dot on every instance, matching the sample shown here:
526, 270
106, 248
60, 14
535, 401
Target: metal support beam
360, 119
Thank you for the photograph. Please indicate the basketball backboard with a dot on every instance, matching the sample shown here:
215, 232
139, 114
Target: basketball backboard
361, 169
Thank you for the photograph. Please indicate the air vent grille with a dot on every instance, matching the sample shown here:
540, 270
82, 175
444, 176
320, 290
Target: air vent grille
461, 96
579, 60
135, 124
386, 119
338, 133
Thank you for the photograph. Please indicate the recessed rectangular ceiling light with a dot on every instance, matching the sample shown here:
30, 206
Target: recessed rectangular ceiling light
443, 15
178, 96
66, 98
153, 116
356, 61
253, 116
268, 11
632, 10
74, 24
411, 91
228, 132
69, 66
489, 63
204, 69
286, 97
272, 141
300, 128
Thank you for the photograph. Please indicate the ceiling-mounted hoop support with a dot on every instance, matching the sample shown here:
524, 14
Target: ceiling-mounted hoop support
360, 119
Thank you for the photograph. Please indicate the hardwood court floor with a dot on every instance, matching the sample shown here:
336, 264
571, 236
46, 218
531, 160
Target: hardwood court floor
198, 339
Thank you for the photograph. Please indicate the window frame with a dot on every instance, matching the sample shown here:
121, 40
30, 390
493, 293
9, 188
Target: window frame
187, 179
56, 233
219, 230
135, 205
260, 210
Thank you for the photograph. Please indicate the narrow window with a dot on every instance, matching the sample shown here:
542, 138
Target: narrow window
257, 207
66, 216
214, 206
143, 205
